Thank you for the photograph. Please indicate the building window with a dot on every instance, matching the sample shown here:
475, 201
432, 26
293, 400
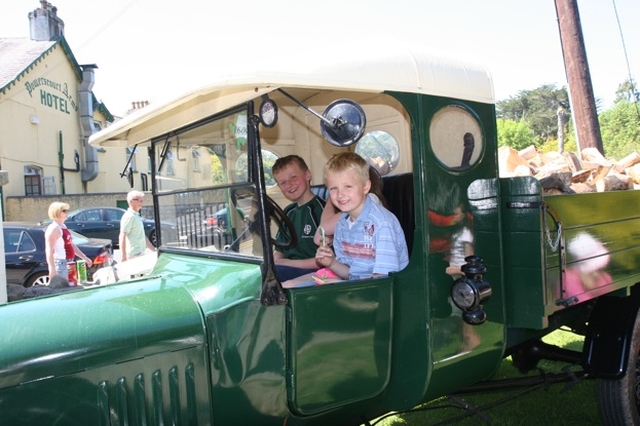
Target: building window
32, 185
170, 157
195, 155
49, 185
32, 180
131, 153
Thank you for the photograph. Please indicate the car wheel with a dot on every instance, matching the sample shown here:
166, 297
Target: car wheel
153, 238
41, 278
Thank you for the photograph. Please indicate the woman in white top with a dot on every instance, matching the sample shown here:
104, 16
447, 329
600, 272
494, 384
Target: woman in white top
59, 246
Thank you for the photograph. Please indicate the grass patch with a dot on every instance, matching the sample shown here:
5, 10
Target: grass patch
550, 404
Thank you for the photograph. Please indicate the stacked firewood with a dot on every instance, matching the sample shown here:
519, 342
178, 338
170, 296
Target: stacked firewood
569, 173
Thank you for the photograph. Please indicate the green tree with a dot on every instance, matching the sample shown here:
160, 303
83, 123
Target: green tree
539, 107
620, 128
626, 92
551, 145
514, 134
218, 175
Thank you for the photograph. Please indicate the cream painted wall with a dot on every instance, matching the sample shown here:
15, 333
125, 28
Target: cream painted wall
38, 111
55, 108
111, 163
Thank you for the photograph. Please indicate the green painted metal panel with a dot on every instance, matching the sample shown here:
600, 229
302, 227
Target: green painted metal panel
103, 366
247, 362
457, 352
339, 342
593, 254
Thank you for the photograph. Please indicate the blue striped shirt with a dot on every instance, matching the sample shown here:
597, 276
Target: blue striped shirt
374, 244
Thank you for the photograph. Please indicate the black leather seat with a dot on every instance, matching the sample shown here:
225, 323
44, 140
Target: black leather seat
398, 193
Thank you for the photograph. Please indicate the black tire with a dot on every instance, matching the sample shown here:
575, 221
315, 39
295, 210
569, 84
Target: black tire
41, 278
153, 238
619, 400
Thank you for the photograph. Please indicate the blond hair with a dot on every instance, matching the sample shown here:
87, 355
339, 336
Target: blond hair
56, 208
347, 161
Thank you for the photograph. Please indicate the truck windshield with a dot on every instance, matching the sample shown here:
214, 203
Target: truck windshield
204, 188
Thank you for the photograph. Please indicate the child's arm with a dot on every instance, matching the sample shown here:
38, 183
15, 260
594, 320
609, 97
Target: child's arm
279, 259
328, 220
326, 258
391, 250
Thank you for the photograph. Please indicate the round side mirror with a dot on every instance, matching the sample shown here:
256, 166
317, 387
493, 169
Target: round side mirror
344, 122
268, 112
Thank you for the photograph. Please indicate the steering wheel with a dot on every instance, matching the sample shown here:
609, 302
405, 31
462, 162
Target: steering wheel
285, 226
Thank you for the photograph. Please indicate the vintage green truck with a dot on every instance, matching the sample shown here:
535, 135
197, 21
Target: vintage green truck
210, 337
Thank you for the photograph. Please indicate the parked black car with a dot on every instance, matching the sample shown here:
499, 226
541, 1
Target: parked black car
24, 253
104, 222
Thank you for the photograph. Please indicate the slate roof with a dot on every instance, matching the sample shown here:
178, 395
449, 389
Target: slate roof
18, 55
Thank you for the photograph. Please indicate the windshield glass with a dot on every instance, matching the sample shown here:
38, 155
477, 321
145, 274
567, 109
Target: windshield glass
203, 192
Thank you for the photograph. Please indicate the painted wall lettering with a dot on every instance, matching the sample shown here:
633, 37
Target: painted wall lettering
53, 101
63, 102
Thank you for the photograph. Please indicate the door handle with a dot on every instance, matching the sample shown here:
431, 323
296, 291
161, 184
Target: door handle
26, 257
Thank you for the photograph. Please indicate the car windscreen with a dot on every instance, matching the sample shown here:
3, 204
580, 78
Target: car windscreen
204, 187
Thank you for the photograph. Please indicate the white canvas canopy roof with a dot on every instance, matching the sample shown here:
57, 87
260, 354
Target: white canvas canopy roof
374, 66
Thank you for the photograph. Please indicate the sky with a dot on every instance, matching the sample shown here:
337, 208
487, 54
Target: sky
153, 51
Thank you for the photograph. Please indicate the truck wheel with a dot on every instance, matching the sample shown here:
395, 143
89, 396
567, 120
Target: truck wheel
619, 400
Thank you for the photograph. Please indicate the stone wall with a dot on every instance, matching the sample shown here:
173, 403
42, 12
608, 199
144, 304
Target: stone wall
34, 209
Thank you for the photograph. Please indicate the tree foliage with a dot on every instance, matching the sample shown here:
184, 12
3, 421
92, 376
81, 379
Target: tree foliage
627, 92
620, 129
538, 107
531, 117
514, 134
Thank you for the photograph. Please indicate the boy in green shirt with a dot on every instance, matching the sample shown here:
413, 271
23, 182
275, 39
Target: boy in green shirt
293, 178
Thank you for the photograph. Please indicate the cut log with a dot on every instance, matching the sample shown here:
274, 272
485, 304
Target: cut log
601, 173
582, 188
535, 161
522, 170
592, 154
581, 176
634, 173
590, 165
528, 153
573, 161
549, 157
509, 159
552, 168
614, 182
557, 183
568, 172
626, 162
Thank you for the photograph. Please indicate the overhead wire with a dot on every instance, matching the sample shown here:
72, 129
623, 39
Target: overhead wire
93, 36
108, 24
634, 90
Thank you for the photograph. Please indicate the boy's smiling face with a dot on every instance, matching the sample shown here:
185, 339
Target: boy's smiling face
294, 183
348, 192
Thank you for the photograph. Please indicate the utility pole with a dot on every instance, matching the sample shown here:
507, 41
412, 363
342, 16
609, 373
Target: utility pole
583, 104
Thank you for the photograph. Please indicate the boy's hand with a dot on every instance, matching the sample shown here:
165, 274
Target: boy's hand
324, 256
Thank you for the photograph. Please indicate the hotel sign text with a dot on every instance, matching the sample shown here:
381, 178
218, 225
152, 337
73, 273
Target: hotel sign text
61, 101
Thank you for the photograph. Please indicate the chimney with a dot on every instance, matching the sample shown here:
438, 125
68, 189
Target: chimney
136, 105
44, 24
